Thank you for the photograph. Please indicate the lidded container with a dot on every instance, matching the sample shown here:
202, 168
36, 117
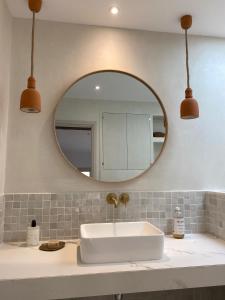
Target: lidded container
33, 234
178, 224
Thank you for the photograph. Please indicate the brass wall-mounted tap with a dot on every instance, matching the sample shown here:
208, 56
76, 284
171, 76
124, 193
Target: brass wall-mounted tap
112, 198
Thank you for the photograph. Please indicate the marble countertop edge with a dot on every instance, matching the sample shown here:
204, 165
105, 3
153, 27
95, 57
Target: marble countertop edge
196, 261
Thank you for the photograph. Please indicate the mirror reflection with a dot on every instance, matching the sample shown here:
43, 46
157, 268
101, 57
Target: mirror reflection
110, 126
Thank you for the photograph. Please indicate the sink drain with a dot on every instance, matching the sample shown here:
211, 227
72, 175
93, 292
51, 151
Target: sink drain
118, 296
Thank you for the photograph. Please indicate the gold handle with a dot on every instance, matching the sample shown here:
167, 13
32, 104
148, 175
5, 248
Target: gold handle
124, 198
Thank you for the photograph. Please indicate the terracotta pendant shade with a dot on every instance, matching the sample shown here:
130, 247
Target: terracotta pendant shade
35, 5
189, 106
30, 99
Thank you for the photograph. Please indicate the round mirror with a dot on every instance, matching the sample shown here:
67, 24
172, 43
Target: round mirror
111, 126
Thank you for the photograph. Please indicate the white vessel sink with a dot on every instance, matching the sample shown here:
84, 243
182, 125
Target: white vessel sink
120, 242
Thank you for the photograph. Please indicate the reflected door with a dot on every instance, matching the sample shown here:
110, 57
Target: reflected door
76, 144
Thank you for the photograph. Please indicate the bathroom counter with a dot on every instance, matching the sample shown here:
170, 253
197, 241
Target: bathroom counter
26, 272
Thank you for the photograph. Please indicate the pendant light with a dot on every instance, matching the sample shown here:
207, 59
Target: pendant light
189, 106
30, 99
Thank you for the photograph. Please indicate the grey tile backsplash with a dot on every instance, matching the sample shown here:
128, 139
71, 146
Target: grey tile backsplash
215, 213
60, 215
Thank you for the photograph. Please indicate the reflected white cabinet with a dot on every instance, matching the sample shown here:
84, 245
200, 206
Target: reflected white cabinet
114, 141
126, 144
138, 141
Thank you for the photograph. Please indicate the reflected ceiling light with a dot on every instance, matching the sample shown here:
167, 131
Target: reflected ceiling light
189, 106
30, 99
114, 10
97, 87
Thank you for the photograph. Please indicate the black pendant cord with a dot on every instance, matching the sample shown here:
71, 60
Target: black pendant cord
187, 59
32, 45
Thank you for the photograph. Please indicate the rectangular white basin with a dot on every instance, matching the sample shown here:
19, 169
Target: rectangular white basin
120, 242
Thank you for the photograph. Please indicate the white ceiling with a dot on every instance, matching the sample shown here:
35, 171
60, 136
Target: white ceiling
154, 15
113, 87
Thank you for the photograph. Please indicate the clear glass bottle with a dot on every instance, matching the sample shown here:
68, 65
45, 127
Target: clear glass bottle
178, 224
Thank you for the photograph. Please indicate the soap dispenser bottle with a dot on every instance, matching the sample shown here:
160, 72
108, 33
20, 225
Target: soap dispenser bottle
178, 230
33, 234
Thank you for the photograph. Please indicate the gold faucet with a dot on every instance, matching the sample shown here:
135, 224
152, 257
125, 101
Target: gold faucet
112, 198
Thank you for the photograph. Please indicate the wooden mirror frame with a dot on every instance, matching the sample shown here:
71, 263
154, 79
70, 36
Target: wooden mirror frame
165, 124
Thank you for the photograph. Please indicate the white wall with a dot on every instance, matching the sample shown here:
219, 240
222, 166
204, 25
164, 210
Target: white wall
5, 58
194, 155
70, 109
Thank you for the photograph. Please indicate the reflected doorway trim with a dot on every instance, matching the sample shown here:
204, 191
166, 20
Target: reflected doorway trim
82, 124
160, 103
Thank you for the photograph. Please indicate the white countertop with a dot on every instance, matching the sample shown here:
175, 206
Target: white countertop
196, 261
